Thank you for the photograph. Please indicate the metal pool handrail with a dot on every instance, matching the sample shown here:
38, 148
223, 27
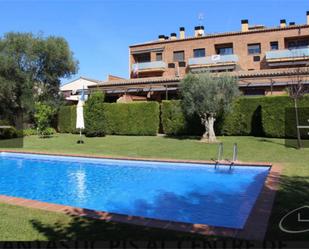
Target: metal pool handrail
220, 155
235, 152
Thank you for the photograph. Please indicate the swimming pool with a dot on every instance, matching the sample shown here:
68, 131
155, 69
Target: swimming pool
183, 192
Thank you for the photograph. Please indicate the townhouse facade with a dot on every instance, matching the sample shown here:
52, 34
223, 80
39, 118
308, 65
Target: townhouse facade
265, 60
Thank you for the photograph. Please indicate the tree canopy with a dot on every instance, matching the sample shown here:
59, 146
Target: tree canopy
208, 96
31, 68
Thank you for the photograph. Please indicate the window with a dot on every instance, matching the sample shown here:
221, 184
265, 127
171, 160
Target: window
254, 48
224, 51
254, 92
179, 56
298, 44
256, 58
199, 52
274, 45
182, 64
158, 56
144, 57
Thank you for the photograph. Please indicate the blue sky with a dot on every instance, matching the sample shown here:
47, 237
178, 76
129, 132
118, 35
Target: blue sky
99, 32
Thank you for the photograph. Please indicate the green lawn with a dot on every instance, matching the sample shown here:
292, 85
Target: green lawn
24, 224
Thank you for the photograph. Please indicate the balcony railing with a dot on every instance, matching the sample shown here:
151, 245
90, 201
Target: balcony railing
149, 65
214, 60
288, 54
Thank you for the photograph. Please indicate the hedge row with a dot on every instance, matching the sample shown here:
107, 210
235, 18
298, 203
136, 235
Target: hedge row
255, 116
274, 111
67, 119
139, 118
174, 122
94, 113
244, 118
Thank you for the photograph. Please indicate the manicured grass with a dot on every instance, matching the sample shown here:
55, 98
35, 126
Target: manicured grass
294, 190
19, 223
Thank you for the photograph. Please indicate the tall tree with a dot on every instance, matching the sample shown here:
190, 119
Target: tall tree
208, 96
31, 67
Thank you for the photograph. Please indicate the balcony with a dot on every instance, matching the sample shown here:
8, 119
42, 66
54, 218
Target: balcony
214, 62
152, 66
288, 57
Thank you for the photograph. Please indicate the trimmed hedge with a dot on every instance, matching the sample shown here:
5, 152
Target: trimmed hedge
254, 116
174, 121
244, 118
273, 115
139, 118
67, 119
94, 113
172, 118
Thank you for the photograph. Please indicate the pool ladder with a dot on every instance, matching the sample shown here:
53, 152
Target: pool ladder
220, 155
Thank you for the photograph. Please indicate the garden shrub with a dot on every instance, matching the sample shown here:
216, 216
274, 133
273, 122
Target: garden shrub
244, 118
139, 118
172, 118
174, 121
4, 122
273, 114
43, 116
95, 116
30, 132
8, 133
67, 119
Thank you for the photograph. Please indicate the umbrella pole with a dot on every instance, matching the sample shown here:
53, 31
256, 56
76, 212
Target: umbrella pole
80, 141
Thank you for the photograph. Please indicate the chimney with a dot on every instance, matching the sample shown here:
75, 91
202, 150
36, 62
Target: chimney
161, 37
199, 31
173, 36
307, 17
292, 23
196, 29
244, 25
166, 37
182, 33
282, 23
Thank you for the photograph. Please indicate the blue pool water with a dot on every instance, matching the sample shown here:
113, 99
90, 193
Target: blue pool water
182, 192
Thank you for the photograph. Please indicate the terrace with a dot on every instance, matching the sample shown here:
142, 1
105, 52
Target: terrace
297, 56
149, 66
214, 63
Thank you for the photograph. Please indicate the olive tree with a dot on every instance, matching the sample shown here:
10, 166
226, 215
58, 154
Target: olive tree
208, 96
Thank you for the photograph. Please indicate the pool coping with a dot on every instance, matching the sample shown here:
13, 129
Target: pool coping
254, 229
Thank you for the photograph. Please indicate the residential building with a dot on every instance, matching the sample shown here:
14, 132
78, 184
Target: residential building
265, 60
73, 89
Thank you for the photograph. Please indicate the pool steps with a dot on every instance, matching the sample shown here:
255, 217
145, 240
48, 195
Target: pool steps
220, 155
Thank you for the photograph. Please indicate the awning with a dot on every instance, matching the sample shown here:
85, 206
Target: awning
160, 49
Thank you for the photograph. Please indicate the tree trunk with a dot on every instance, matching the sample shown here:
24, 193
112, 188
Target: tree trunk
299, 144
209, 135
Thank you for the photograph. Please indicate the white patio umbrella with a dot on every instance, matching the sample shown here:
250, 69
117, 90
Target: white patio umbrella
80, 124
